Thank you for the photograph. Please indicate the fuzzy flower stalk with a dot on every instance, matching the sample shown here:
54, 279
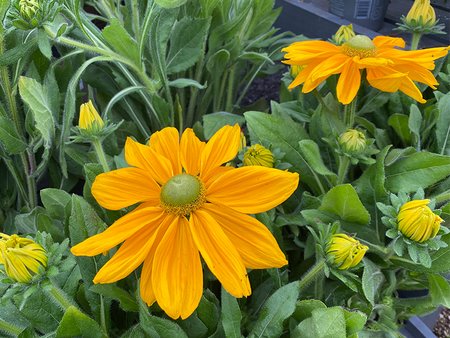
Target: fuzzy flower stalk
190, 206
21, 258
345, 252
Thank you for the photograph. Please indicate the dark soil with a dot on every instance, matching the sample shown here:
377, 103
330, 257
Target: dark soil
266, 87
442, 327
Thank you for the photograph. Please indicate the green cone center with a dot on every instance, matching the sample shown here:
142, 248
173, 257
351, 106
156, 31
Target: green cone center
359, 45
181, 190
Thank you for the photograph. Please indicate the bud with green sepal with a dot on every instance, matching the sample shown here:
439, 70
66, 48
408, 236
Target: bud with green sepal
421, 19
258, 154
343, 34
413, 225
30, 14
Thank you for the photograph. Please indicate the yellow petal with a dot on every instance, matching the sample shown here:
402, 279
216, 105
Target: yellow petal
121, 229
191, 149
254, 242
166, 142
388, 42
219, 253
252, 189
121, 188
348, 83
221, 148
177, 276
144, 157
409, 88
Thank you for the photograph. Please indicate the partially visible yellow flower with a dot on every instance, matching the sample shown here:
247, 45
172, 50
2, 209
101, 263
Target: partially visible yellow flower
89, 117
190, 205
343, 34
294, 70
243, 142
28, 8
417, 221
346, 251
421, 12
258, 155
388, 68
21, 257
353, 141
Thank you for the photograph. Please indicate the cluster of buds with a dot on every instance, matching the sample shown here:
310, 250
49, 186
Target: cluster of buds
421, 19
29, 14
343, 34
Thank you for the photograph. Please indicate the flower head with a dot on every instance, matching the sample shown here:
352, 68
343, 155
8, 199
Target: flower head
417, 221
343, 34
190, 206
345, 251
90, 119
258, 155
21, 257
388, 68
422, 13
28, 8
353, 141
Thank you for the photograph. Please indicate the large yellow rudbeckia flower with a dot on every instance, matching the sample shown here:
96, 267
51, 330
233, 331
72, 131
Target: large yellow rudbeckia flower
190, 205
388, 68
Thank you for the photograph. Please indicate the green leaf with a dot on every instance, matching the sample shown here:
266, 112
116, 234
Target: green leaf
120, 41
231, 315
76, 324
305, 308
126, 301
44, 44
354, 321
56, 202
183, 83
12, 55
213, 122
343, 201
439, 290
372, 279
415, 120
186, 44
443, 123
324, 323
279, 306
311, 153
399, 122
217, 63
417, 170
10, 138
170, 3
256, 57
37, 98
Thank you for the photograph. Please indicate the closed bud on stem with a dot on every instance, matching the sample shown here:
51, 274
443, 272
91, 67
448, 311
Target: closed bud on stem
21, 257
345, 251
90, 119
258, 155
343, 34
353, 141
422, 13
417, 221
28, 8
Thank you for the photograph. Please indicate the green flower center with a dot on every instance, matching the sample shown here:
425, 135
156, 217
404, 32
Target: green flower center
182, 194
359, 45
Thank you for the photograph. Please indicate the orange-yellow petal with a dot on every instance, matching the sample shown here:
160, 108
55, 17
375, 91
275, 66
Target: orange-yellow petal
177, 276
254, 242
348, 83
123, 228
123, 187
221, 148
191, 149
252, 189
388, 42
166, 142
219, 253
144, 157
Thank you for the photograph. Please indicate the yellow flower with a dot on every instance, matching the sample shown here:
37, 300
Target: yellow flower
343, 34
421, 12
353, 141
258, 155
21, 257
417, 221
346, 251
89, 117
388, 68
190, 205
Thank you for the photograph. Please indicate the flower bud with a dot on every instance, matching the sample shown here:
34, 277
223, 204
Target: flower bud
258, 155
28, 9
417, 221
343, 34
295, 69
90, 120
345, 251
353, 141
422, 13
21, 257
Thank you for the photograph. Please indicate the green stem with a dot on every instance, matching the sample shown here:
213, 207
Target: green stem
10, 329
230, 91
101, 154
312, 274
194, 92
320, 99
349, 114
382, 251
442, 197
58, 295
415, 40
344, 163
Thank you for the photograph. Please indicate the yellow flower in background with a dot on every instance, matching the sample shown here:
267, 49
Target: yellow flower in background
388, 68
346, 251
353, 141
343, 34
421, 12
21, 257
417, 221
258, 155
190, 205
89, 117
